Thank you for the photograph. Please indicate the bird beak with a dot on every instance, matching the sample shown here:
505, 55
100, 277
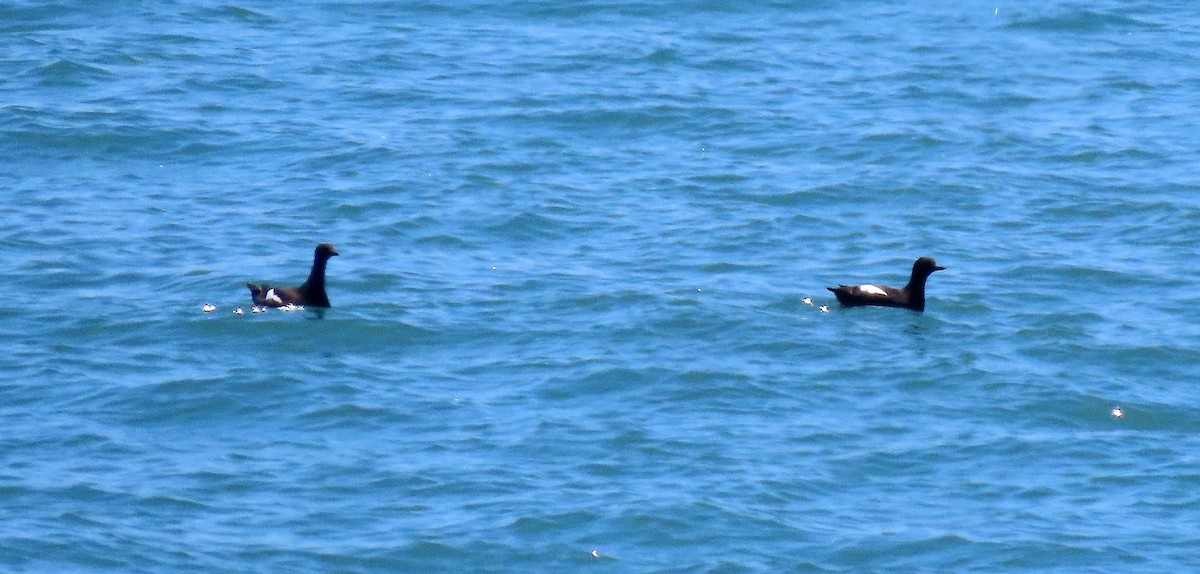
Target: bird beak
935, 267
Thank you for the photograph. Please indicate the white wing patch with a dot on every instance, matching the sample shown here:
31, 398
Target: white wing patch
272, 297
872, 290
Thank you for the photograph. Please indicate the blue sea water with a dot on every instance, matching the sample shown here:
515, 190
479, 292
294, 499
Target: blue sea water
569, 330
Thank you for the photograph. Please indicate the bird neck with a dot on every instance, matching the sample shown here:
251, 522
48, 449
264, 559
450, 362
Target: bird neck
915, 290
917, 281
316, 277
916, 286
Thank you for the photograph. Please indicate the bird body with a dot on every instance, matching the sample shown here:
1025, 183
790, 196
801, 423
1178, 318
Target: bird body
310, 293
911, 296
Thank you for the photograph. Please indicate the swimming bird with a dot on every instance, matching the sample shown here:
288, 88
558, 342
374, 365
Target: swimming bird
311, 293
911, 296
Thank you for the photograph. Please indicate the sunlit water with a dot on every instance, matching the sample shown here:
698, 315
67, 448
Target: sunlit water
569, 312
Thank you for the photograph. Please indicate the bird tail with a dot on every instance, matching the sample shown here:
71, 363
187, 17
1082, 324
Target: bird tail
841, 292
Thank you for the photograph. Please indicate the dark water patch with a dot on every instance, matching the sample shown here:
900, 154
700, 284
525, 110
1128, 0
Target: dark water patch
721, 392
718, 179
175, 39
445, 241
109, 134
68, 73
527, 227
599, 383
1066, 555
882, 551
187, 407
27, 18
1080, 21
663, 56
351, 417
232, 12
358, 157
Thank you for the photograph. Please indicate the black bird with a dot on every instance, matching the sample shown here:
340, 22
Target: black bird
311, 293
911, 296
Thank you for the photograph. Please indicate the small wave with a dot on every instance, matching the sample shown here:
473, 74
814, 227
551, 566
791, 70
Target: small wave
70, 73
1081, 21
